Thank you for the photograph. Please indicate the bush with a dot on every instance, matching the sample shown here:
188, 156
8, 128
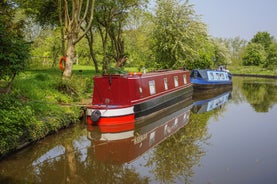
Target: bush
254, 55
15, 118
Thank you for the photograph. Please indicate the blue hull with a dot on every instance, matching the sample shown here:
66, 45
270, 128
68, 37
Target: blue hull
202, 84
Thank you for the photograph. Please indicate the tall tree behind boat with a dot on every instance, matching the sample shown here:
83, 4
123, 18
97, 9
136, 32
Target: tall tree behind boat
72, 27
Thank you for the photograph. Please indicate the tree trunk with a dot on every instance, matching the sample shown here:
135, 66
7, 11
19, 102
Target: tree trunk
104, 38
69, 58
93, 58
90, 39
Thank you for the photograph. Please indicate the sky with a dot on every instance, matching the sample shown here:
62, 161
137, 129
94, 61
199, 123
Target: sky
243, 18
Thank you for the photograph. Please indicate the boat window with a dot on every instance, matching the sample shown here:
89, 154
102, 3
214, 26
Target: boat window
152, 87
152, 138
140, 90
165, 84
203, 74
176, 81
185, 78
199, 74
217, 76
226, 76
211, 75
176, 122
193, 74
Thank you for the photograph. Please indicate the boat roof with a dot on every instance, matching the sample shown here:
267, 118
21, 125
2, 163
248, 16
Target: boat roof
152, 73
159, 72
204, 72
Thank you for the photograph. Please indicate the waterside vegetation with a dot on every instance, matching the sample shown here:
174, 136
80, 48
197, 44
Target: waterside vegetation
41, 103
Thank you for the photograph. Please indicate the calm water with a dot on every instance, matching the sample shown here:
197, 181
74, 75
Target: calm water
221, 137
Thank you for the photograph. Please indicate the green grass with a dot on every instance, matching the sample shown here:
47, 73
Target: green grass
41, 103
252, 70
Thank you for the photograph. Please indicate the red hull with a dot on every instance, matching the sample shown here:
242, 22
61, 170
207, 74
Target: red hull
114, 124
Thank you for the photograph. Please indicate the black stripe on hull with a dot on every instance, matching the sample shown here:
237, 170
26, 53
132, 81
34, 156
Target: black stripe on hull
161, 102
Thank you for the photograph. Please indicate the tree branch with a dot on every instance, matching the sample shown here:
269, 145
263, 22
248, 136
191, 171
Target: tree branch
89, 24
66, 14
86, 12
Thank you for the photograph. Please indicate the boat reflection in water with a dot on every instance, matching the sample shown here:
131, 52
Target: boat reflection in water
207, 101
119, 145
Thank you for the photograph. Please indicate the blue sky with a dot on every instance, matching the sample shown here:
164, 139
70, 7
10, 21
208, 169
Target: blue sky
243, 18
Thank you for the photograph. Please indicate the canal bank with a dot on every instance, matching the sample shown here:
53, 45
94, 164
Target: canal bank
256, 75
40, 104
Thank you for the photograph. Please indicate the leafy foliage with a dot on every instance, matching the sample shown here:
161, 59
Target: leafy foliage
12, 122
235, 47
45, 49
205, 57
261, 51
14, 51
32, 111
44, 12
263, 38
254, 55
110, 21
222, 54
271, 61
177, 35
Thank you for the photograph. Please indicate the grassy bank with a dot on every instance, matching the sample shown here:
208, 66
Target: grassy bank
252, 70
40, 104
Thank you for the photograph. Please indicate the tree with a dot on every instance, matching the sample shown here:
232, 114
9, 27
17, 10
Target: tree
72, 24
271, 61
137, 42
261, 50
263, 38
235, 46
254, 55
222, 53
110, 20
177, 34
14, 50
204, 57
69, 15
90, 36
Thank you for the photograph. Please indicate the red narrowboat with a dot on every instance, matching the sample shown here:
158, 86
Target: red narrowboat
122, 98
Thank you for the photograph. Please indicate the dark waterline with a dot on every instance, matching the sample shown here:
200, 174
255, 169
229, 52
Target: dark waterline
221, 137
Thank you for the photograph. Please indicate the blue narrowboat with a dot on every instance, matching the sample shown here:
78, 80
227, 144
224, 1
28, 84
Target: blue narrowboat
210, 79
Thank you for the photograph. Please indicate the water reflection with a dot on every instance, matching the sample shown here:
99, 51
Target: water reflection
53, 160
207, 101
122, 146
260, 94
108, 154
182, 144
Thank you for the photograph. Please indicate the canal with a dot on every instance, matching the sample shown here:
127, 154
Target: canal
227, 136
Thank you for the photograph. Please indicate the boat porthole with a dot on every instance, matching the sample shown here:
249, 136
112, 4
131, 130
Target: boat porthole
140, 90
